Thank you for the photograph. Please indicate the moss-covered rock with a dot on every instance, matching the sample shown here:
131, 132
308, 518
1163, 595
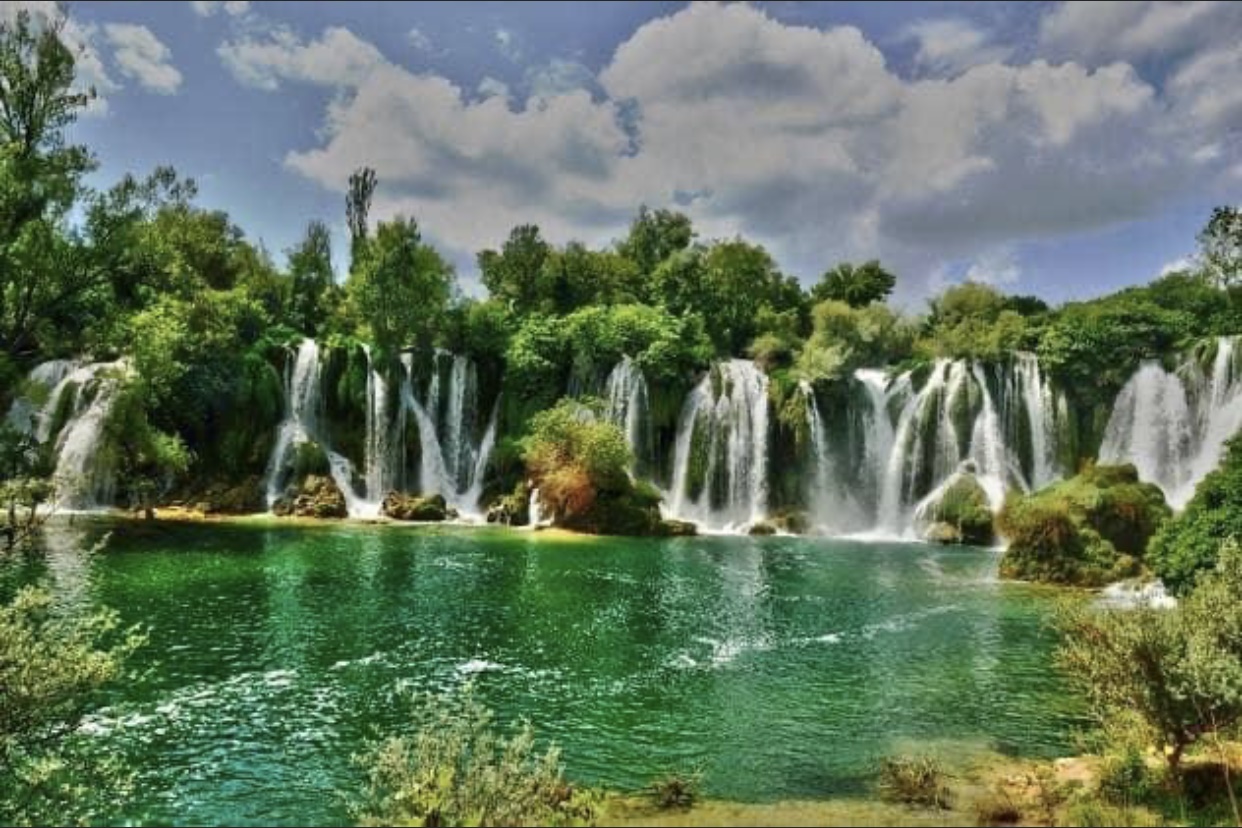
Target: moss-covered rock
1087, 531
401, 506
959, 513
793, 522
633, 510
317, 496
761, 528
244, 498
678, 528
512, 509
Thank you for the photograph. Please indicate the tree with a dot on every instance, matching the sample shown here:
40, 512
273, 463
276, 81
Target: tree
40, 178
654, 236
362, 183
513, 275
1220, 246
50, 664
401, 286
1179, 670
310, 268
574, 457
857, 286
1188, 544
738, 279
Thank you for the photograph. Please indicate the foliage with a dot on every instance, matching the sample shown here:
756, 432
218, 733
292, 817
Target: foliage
845, 338
1220, 245
312, 281
855, 285
972, 321
400, 286
1086, 530
914, 780
676, 790
362, 183
964, 506
1188, 544
997, 808
51, 663
512, 274
654, 236
571, 455
456, 769
1179, 670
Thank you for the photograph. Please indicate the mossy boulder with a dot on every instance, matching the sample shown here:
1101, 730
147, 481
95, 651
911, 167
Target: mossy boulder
244, 498
401, 506
1086, 531
959, 514
630, 510
678, 528
317, 496
512, 509
793, 522
761, 528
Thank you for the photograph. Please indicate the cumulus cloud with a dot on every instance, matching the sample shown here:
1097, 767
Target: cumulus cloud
799, 137
207, 8
950, 46
142, 56
338, 58
419, 40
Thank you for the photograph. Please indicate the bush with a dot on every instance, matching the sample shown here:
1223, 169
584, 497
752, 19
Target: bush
914, 780
1089, 812
676, 790
1087, 530
457, 770
997, 808
1188, 544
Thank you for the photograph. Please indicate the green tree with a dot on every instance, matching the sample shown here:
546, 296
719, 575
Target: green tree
513, 275
310, 268
51, 663
738, 279
362, 183
1188, 544
856, 285
1220, 246
401, 286
654, 236
40, 179
574, 457
1179, 670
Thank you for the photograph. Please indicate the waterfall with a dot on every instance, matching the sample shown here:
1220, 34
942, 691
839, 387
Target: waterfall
626, 392
380, 439
878, 437
1173, 426
85, 476
536, 510
832, 507
723, 433
1031, 407
451, 463
303, 403
988, 448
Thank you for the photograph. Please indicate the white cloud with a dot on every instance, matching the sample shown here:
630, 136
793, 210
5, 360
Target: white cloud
1179, 265
490, 87
141, 55
1101, 32
507, 44
207, 8
419, 40
800, 138
338, 58
949, 46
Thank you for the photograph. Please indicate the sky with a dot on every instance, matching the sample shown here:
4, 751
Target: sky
1056, 149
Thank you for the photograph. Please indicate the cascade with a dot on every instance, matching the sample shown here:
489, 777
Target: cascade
626, 393
1173, 425
1032, 409
451, 463
303, 404
830, 503
723, 432
85, 477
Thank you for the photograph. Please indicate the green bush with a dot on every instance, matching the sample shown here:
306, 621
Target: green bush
997, 808
914, 780
1087, 530
456, 769
1188, 544
964, 507
676, 790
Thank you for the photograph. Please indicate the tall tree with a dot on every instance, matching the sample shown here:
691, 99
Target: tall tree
855, 285
738, 279
310, 267
40, 178
654, 236
357, 207
401, 287
513, 274
1220, 245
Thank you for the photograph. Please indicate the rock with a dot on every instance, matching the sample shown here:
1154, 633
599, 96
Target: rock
959, 513
678, 528
245, 498
795, 523
761, 528
401, 506
511, 509
317, 497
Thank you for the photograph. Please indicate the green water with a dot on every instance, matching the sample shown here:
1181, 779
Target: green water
782, 666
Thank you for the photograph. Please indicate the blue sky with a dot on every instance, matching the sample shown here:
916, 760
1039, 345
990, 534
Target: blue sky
1056, 149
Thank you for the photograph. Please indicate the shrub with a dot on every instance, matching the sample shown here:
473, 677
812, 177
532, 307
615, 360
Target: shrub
676, 790
1089, 812
457, 770
997, 808
1188, 544
914, 780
